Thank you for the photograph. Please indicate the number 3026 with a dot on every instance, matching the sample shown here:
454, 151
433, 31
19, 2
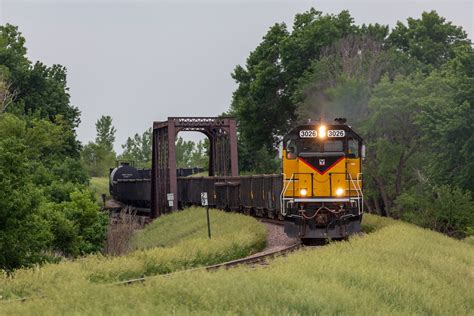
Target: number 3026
336, 133
308, 133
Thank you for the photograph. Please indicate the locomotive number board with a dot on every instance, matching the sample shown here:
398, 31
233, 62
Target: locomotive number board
336, 133
309, 133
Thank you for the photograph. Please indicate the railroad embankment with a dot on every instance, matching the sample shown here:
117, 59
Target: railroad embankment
174, 242
396, 269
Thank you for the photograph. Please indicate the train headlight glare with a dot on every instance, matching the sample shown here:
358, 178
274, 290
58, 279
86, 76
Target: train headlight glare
303, 192
339, 191
322, 131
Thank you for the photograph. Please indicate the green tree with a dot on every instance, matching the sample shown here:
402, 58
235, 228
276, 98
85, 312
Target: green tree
446, 209
184, 151
264, 101
39, 90
429, 39
105, 132
446, 121
98, 157
77, 226
393, 138
260, 103
200, 154
138, 149
38, 179
40, 169
23, 233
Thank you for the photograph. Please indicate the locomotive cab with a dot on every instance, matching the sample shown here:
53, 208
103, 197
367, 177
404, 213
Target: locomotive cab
322, 190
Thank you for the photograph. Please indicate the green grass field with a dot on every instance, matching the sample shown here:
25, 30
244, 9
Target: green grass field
173, 242
397, 269
99, 185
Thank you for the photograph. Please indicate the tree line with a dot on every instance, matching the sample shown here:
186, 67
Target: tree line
408, 91
47, 210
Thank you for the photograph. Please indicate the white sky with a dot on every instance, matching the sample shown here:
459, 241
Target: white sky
142, 61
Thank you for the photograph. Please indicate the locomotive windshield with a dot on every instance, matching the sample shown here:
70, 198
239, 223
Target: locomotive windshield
297, 146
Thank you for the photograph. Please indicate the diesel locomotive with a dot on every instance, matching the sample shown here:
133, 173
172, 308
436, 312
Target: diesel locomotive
322, 187
318, 194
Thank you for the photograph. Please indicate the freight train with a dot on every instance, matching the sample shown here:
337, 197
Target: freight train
318, 194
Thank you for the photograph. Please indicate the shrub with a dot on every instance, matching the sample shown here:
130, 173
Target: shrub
443, 208
182, 246
78, 226
23, 233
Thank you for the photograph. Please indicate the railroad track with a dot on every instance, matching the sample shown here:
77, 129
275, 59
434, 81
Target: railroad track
255, 259
258, 258
272, 221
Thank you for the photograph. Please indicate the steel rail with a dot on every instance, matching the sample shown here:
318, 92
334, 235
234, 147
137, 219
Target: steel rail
257, 258
252, 259
270, 221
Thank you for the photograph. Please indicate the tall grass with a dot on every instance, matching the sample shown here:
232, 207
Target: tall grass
182, 246
99, 185
398, 269
122, 227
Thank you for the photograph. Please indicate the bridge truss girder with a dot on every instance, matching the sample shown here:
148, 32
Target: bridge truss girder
222, 134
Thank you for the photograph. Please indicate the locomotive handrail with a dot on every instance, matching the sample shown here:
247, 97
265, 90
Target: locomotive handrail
358, 189
283, 192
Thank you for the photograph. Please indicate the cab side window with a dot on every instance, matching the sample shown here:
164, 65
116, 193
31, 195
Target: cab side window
353, 148
291, 150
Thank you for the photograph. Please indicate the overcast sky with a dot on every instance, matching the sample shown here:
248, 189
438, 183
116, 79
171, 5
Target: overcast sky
142, 61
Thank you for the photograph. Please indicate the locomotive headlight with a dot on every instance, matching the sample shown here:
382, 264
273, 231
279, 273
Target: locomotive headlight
322, 131
303, 192
339, 191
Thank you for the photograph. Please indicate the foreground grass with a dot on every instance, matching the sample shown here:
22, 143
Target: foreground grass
99, 185
398, 269
183, 243
182, 226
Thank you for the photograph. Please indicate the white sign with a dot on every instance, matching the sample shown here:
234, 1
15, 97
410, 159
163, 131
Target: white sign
336, 133
170, 196
204, 201
308, 133
170, 203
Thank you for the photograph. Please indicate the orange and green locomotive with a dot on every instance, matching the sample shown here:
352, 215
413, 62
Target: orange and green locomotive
322, 181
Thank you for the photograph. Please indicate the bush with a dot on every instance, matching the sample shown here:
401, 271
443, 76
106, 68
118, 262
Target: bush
78, 226
444, 208
44, 204
23, 233
183, 246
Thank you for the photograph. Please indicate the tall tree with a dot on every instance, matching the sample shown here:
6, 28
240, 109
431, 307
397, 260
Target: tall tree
138, 149
263, 101
39, 90
429, 39
99, 156
447, 119
105, 132
184, 151
394, 138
